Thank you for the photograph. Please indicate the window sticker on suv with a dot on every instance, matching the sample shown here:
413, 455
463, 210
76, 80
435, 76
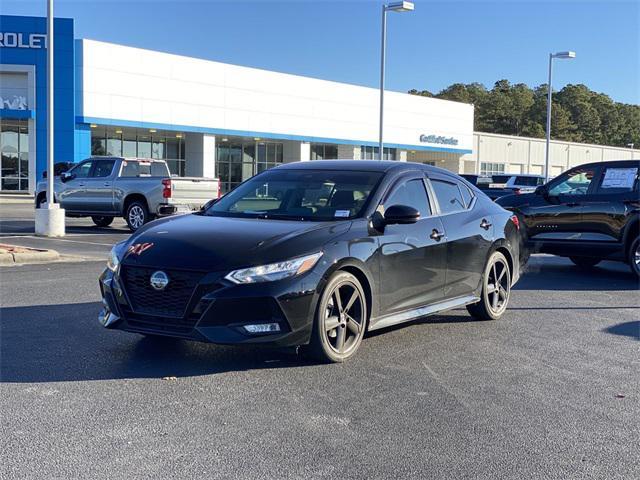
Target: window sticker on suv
619, 178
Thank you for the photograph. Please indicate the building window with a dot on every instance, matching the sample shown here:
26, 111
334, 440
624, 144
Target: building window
135, 144
324, 151
371, 153
239, 161
487, 168
14, 162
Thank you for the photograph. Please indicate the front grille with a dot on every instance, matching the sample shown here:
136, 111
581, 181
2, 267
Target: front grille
170, 302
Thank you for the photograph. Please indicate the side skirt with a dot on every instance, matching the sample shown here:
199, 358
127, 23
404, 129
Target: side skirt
407, 315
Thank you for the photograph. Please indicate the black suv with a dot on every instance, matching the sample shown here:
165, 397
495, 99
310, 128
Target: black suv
589, 213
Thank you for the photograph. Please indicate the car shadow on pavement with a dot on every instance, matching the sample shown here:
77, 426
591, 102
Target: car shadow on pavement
561, 275
626, 329
58, 343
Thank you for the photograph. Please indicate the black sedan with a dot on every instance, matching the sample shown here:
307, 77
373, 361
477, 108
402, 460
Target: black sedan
315, 254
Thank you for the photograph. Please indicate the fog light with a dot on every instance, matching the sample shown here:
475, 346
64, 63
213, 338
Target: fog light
263, 328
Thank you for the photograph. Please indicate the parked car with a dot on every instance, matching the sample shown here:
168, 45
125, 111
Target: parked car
588, 214
522, 183
351, 246
137, 189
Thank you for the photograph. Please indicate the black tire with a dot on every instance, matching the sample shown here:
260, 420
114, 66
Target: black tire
493, 300
634, 257
136, 215
585, 262
102, 221
340, 320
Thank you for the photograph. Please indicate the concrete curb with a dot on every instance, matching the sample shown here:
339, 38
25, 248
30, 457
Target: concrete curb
31, 255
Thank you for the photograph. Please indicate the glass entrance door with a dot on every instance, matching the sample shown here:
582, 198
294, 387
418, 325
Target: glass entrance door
14, 161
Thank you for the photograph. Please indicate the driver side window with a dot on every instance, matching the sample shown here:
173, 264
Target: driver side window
410, 194
82, 170
576, 182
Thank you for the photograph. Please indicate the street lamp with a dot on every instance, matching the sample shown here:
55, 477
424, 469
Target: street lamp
391, 7
563, 55
49, 218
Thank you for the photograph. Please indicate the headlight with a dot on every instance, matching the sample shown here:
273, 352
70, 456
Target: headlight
274, 271
113, 261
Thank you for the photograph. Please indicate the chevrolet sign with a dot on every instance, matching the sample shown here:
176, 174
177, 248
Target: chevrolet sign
22, 40
438, 139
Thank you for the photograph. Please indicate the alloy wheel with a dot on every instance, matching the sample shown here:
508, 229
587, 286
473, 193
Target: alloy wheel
136, 216
498, 286
344, 318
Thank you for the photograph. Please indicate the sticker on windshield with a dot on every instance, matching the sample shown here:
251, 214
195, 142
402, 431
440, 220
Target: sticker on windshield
342, 213
619, 178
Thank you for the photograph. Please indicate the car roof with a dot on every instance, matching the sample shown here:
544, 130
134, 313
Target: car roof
611, 163
360, 166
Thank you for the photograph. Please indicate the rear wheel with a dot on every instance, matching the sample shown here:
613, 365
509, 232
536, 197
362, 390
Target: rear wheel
634, 257
136, 215
102, 221
42, 200
496, 288
585, 262
340, 320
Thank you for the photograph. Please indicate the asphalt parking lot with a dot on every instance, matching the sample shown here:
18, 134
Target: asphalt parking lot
551, 391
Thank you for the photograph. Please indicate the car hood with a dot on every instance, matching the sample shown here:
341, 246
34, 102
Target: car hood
199, 242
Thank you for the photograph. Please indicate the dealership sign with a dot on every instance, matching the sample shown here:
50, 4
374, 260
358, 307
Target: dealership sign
438, 139
22, 40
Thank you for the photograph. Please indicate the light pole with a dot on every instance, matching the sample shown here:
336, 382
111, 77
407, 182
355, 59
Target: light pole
49, 218
391, 7
551, 57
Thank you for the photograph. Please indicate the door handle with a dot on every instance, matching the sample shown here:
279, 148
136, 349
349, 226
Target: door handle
436, 235
573, 204
81, 185
484, 224
107, 184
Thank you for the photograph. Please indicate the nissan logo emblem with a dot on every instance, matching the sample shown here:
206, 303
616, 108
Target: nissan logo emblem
159, 280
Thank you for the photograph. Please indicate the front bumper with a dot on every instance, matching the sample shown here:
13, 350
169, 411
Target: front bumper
214, 310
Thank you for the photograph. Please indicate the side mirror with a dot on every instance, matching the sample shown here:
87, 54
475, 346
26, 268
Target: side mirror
401, 215
66, 176
540, 190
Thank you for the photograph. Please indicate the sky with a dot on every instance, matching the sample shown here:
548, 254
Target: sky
440, 43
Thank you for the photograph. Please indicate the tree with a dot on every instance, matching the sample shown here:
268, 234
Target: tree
578, 113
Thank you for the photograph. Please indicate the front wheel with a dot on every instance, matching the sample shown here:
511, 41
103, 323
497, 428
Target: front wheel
340, 320
585, 262
136, 215
496, 289
102, 221
634, 257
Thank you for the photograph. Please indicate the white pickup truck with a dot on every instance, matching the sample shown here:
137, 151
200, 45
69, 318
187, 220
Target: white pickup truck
137, 189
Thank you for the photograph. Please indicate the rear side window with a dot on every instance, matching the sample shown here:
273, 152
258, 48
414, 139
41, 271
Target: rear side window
617, 180
144, 169
467, 196
449, 196
411, 194
529, 181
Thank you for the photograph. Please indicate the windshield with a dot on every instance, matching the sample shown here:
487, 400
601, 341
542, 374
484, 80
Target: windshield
299, 195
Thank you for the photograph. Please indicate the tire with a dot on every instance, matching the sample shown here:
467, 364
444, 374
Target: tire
340, 320
634, 257
493, 301
585, 262
136, 215
41, 201
102, 221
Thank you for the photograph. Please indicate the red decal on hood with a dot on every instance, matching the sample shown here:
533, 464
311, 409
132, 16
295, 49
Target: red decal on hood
138, 248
